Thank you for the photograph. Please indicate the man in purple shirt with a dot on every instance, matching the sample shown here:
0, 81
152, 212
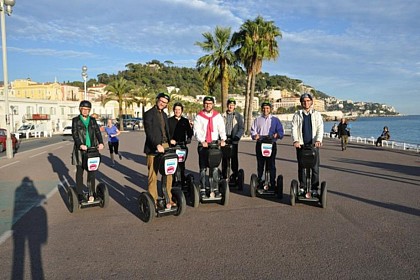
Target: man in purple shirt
265, 128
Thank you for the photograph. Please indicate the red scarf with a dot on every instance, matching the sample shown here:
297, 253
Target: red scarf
209, 125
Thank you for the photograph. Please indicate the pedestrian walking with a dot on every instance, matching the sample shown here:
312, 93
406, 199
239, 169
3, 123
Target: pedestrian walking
112, 133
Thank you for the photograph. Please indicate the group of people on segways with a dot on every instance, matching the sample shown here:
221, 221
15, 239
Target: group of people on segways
87, 143
218, 136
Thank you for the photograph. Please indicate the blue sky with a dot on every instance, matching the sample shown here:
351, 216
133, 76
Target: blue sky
358, 50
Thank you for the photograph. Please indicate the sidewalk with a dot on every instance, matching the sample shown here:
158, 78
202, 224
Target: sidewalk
368, 230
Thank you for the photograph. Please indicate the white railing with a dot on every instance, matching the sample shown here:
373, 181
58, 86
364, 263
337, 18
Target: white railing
385, 143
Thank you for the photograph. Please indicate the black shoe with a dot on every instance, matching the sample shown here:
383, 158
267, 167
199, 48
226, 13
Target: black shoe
80, 197
120, 156
203, 193
217, 194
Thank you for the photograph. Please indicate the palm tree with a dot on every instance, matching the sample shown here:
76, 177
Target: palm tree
256, 41
218, 64
117, 90
143, 96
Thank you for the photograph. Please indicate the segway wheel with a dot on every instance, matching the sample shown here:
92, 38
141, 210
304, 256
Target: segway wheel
324, 194
280, 187
103, 194
241, 179
224, 190
73, 201
194, 196
293, 192
146, 207
253, 185
179, 198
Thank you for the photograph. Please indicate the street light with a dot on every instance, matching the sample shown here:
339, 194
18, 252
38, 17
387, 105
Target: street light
84, 76
6, 7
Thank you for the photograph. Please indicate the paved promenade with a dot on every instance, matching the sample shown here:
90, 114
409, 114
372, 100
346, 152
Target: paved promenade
370, 229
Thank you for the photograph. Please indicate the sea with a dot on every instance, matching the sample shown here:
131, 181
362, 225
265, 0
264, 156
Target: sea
405, 129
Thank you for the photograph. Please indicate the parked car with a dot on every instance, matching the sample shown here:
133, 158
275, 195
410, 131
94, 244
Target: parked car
3, 136
67, 130
26, 128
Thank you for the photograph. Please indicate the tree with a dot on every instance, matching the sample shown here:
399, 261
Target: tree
117, 90
143, 96
219, 63
256, 41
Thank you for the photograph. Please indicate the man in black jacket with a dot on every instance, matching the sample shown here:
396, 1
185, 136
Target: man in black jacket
156, 128
86, 134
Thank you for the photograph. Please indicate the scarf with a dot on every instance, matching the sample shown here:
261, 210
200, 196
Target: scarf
209, 125
86, 123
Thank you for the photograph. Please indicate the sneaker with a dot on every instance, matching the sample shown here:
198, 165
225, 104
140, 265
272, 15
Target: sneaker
91, 199
120, 156
217, 194
212, 194
314, 193
203, 193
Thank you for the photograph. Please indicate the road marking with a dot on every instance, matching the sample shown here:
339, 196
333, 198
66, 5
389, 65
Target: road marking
9, 164
5, 236
58, 148
37, 154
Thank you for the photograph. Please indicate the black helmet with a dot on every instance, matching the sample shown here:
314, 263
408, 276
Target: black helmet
178, 104
85, 103
164, 95
305, 95
265, 103
208, 98
231, 100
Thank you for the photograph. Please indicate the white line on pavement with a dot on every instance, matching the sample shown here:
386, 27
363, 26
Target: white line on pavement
37, 154
9, 164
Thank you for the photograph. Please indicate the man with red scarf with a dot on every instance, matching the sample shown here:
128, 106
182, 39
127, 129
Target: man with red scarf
209, 126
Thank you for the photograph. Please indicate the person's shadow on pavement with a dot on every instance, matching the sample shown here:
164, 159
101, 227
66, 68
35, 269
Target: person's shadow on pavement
29, 226
66, 181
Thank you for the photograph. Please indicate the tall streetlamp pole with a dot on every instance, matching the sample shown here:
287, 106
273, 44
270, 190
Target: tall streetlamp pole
6, 7
84, 76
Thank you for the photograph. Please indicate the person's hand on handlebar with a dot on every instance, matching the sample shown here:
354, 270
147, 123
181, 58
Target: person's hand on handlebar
160, 148
205, 144
296, 144
83, 147
222, 143
318, 144
100, 146
173, 142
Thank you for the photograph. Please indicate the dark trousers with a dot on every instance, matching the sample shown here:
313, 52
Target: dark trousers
79, 179
113, 147
314, 170
261, 160
233, 157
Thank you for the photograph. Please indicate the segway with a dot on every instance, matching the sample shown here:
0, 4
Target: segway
234, 181
183, 181
308, 160
99, 196
167, 163
263, 187
216, 189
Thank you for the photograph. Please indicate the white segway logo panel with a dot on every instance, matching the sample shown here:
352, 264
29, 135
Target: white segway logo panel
266, 149
170, 165
181, 155
93, 163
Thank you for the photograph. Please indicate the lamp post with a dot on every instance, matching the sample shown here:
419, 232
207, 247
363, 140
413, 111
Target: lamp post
6, 7
84, 76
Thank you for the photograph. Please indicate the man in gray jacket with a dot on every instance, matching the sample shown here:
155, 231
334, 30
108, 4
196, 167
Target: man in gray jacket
307, 130
235, 128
